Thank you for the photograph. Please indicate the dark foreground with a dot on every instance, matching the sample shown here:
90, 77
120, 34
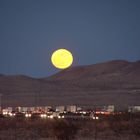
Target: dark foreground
119, 127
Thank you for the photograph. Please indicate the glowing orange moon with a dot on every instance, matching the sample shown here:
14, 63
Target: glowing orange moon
62, 58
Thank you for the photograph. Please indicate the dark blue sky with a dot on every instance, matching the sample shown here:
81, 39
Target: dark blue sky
93, 30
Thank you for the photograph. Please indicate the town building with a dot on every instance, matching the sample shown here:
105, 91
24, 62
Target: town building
134, 109
71, 108
109, 108
60, 109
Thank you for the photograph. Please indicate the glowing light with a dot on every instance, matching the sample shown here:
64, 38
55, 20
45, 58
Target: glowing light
11, 114
27, 115
95, 118
5, 113
59, 117
43, 115
84, 112
62, 58
51, 116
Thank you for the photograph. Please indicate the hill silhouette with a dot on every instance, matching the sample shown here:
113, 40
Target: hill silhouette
114, 82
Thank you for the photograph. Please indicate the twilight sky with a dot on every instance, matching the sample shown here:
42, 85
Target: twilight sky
93, 30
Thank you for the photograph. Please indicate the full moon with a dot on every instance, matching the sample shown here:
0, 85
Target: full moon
62, 58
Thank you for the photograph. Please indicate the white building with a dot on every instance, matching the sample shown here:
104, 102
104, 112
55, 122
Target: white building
134, 109
24, 109
60, 109
7, 110
47, 108
71, 108
109, 108
10, 109
79, 108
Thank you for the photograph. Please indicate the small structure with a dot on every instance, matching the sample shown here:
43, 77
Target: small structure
24, 109
109, 108
10, 109
79, 109
47, 108
133, 109
7, 110
60, 109
71, 108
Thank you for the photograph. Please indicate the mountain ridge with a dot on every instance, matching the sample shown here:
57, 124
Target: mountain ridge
98, 84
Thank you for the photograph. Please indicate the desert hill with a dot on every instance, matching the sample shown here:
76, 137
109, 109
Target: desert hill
113, 82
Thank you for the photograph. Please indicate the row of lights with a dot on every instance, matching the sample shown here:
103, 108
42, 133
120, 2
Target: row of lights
44, 116
96, 118
27, 115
